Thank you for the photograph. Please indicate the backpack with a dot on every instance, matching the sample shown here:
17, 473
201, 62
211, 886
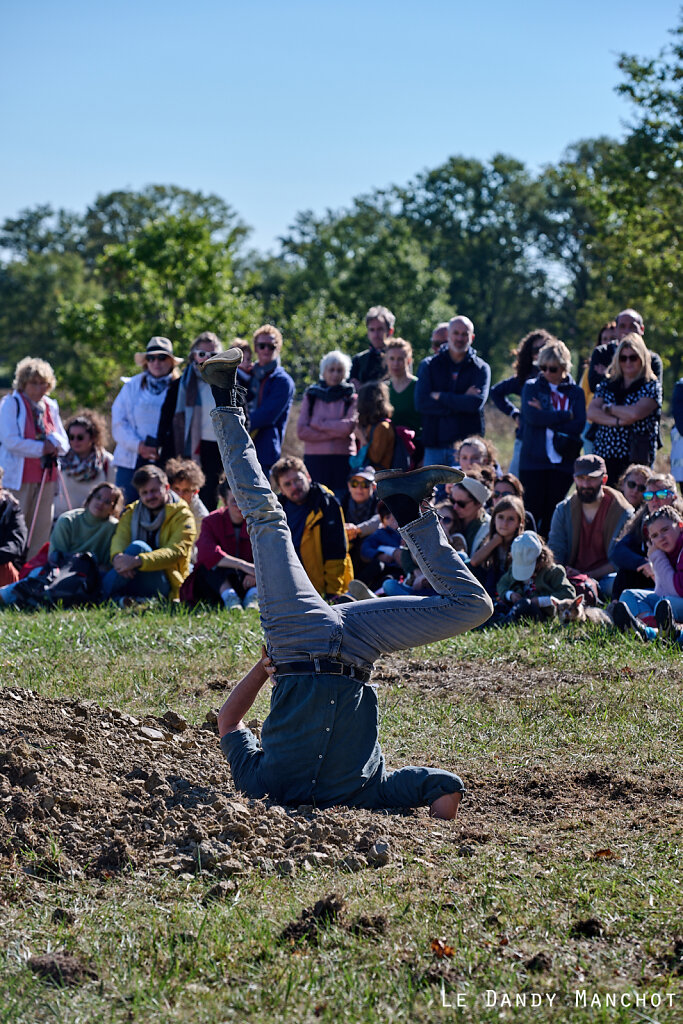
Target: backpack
77, 582
404, 448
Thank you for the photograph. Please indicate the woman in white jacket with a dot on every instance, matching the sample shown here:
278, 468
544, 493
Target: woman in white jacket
136, 409
32, 437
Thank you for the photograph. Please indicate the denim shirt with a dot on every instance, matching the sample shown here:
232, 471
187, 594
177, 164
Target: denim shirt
319, 743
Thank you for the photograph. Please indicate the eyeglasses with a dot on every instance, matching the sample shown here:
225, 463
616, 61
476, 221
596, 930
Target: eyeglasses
461, 504
649, 495
633, 358
78, 437
634, 486
156, 357
550, 369
202, 353
359, 483
266, 345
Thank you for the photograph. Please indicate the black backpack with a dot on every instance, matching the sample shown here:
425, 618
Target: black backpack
77, 582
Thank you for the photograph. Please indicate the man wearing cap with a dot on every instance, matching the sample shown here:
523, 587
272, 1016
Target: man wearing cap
585, 525
369, 365
320, 744
317, 526
629, 321
359, 506
451, 392
469, 498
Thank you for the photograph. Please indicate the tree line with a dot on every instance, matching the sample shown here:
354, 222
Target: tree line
564, 248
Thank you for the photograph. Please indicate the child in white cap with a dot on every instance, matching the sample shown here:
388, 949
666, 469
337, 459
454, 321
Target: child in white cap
527, 589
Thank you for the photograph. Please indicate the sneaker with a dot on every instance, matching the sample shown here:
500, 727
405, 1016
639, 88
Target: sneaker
664, 617
232, 602
625, 620
251, 599
359, 592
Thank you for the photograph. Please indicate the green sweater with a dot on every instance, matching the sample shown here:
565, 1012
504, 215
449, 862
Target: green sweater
550, 582
79, 530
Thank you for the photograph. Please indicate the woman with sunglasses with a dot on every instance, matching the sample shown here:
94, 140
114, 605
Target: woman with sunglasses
136, 409
626, 408
185, 429
633, 483
270, 395
87, 461
469, 498
629, 551
552, 420
525, 368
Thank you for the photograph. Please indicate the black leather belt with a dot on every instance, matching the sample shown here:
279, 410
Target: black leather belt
321, 666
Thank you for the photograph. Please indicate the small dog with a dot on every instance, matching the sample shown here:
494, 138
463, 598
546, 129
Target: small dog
575, 610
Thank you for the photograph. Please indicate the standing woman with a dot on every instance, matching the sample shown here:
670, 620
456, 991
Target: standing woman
525, 368
626, 408
327, 422
136, 409
374, 425
32, 437
553, 416
87, 461
398, 356
185, 429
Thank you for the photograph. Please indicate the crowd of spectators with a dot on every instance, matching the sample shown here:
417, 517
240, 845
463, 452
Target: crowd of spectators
160, 523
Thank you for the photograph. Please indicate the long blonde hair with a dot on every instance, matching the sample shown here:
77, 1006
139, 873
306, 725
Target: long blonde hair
634, 341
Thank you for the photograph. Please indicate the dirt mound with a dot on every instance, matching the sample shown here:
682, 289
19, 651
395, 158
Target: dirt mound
92, 792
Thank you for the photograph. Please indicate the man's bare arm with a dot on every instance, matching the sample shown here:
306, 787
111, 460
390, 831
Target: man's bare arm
243, 696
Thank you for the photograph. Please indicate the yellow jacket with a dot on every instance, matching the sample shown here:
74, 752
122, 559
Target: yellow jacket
324, 549
176, 538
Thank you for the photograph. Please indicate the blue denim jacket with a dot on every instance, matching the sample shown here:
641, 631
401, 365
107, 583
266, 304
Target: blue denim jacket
319, 743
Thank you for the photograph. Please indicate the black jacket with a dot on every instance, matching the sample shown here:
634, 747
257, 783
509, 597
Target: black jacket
13, 531
455, 414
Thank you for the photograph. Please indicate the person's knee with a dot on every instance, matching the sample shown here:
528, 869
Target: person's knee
446, 806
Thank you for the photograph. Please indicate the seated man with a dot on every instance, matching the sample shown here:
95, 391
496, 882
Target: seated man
224, 571
317, 526
583, 526
151, 549
359, 506
320, 742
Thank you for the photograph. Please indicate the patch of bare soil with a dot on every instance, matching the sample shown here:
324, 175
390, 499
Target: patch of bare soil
480, 679
92, 792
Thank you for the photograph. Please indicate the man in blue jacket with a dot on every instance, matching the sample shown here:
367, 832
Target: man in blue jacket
270, 396
451, 393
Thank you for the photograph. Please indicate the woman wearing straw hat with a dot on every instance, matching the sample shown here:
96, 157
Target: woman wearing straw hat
136, 409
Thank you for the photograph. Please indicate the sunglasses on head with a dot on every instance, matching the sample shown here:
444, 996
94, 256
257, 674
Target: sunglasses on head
666, 493
635, 486
266, 345
359, 483
550, 369
632, 358
157, 357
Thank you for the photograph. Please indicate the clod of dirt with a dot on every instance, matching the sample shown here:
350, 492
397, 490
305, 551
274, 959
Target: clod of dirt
175, 722
220, 891
379, 854
115, 857
61, 969
369, 927
591, 928
61, 916
307, 927
539, 963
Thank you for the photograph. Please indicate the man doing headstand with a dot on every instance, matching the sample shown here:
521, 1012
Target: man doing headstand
319, 744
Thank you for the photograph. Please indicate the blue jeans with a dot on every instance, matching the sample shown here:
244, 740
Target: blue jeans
439, 456
297, 622
514, 461
644, 602
143, 584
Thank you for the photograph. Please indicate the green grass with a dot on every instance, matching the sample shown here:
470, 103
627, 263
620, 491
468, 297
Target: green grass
569, 742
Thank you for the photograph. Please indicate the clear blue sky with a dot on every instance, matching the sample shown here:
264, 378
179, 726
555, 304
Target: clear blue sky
280, 107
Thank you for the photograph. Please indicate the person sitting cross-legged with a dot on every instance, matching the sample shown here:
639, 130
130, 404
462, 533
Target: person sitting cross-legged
224, 572
151, 549
665, 602
320, 744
